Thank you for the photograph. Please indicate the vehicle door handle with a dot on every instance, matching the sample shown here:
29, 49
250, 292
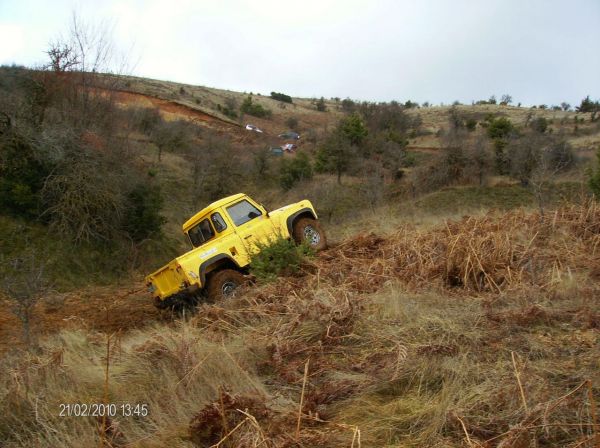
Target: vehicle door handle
247, 236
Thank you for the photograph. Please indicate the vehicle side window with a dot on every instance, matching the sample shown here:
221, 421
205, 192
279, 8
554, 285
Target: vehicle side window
218, 222
242, 212
201, 233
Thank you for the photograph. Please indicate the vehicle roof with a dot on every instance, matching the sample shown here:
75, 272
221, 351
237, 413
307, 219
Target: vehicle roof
220, 203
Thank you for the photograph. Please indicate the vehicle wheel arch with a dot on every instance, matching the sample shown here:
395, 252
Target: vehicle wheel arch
216, 263
303, 213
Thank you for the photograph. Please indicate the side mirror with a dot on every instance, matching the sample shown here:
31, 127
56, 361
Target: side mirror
253, 215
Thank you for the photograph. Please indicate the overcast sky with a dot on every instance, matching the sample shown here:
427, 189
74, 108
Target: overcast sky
538, 51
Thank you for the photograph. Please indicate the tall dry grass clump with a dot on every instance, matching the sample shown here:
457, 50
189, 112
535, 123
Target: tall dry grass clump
488, 253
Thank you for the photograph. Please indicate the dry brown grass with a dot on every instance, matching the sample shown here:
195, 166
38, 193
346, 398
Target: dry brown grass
477, 332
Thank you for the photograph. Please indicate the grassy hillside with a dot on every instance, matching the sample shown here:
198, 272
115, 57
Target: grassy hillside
477, 332
425, 142
456, 306
434, 118
211, 101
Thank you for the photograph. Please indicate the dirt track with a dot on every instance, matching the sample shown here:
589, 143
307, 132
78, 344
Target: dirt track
107, 309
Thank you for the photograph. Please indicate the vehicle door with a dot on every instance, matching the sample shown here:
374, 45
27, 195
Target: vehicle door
231, 243
252, 224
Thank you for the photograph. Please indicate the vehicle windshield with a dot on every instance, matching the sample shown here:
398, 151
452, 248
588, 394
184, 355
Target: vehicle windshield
201, 233
242, 212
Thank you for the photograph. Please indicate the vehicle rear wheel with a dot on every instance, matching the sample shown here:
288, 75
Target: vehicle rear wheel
309, 230
222, 284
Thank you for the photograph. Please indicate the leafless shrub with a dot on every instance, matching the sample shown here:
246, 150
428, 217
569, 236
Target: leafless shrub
23, 284
536, 159
216, 169
480, 159
429, 177
373, 186
85, 199
174, 136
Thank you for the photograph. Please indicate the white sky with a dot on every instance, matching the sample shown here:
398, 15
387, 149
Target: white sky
538, 51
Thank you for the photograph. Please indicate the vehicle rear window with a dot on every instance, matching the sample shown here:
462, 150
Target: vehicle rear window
242, 212
201, 233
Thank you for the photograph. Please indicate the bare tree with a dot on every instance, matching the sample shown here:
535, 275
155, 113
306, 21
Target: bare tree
454, 160
80, 60
506, 99
541, 176
524, 155
85, 198
62, 57
23, 286
373, 185
215, 169
175, 136
480, 159
555, 157
536, 159
261, 162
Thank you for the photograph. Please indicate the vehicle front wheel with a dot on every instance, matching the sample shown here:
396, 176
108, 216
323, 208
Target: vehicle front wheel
309, 230
222, 284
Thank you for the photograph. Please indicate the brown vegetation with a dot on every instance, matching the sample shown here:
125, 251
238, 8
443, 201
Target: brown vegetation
480, 331
477, 332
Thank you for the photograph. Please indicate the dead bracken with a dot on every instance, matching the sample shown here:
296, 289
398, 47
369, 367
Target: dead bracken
481, 332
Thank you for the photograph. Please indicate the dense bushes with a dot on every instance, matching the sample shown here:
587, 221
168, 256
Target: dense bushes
336, 155
539, 124
281, 97
370, 142
499, 129
251, 108
216, 171
587, 105
23, 171
292, 123
227, 111
320, 105
173, 136
560, 156
66, 165
141, 219
146, 119
278, 257
295, 170
594, 177
339, 150
348, 105
353, 129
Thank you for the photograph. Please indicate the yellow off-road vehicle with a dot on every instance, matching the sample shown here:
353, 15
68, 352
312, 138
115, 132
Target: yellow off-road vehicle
224, 236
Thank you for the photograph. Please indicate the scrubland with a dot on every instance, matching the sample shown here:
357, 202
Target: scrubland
478, 331
457, 304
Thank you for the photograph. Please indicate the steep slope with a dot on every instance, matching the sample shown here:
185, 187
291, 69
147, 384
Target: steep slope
211, 100
482, 331
205, 105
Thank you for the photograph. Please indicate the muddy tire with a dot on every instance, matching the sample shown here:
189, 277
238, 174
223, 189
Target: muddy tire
309, 230
222, 284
